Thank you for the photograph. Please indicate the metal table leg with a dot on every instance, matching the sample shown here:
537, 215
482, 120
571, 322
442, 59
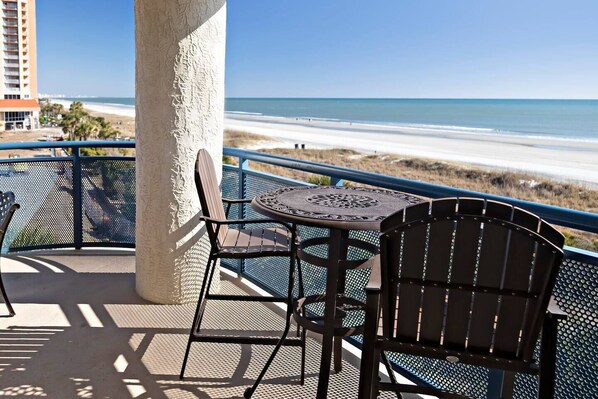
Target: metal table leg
337, 250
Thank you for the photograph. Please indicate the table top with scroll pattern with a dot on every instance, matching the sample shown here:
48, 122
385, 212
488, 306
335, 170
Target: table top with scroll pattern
350, 208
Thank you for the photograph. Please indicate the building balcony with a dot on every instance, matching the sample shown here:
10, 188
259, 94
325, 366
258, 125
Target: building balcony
78, 308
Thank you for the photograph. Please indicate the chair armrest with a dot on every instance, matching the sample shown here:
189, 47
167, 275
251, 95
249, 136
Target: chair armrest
232, 201
554, 312
375, 282
237, 200
243, 221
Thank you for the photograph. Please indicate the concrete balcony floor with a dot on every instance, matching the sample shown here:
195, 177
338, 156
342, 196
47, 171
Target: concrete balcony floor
81, 331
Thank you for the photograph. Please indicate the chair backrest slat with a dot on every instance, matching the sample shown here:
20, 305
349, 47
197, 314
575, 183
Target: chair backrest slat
542, 277
512, 309
493, 247
411, 266
465, 258
209, 193
468, 274
440, 244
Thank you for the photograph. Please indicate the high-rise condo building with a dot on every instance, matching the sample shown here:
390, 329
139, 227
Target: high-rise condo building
19, 107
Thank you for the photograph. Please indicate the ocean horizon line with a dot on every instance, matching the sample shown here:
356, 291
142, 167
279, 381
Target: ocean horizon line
65, 97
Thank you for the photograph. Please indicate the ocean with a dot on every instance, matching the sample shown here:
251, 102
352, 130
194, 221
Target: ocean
565, 119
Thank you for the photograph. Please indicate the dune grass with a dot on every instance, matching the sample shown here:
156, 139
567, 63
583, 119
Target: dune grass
486, 180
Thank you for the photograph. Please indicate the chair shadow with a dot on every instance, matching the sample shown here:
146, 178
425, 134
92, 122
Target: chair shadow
80, 332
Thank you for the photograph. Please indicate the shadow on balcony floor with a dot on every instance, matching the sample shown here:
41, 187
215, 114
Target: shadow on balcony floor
82, 332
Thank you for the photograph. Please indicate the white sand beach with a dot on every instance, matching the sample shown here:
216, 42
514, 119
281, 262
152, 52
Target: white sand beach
566, 160
114, 109
560, 159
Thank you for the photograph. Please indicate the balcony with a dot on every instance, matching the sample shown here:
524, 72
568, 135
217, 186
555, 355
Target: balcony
80, 305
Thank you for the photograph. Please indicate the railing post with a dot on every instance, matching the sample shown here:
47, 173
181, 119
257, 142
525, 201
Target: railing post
335, 181
77, 199
243, 165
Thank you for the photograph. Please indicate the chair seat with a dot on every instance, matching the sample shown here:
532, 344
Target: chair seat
256, 242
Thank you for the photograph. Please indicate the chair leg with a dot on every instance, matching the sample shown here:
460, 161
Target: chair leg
303, 342
370, 355
249, 391
390, 371
548, 347
301, 286
11, 311
299, 329
199, 310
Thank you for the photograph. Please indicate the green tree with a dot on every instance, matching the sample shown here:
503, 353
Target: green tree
106, 131
84, 130
50, 112
75, 116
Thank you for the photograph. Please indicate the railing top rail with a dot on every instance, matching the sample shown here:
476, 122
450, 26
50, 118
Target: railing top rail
561, 216
67, 144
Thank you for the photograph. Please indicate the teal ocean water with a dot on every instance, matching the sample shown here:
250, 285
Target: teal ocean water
566, 119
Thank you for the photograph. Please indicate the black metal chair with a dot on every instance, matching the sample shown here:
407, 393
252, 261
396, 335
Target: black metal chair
7, 209
464, 280
230, 243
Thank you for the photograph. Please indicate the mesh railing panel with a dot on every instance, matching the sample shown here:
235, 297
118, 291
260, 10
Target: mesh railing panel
576, 293
108, 200
271, 272
44, 191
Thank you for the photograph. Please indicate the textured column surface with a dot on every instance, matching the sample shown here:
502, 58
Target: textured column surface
180, 47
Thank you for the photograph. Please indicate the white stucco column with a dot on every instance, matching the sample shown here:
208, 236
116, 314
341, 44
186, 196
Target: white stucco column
180, 48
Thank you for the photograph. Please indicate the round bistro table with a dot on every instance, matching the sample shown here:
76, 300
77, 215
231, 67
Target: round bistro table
339, 209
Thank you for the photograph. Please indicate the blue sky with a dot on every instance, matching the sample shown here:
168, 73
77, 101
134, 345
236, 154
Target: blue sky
347, 48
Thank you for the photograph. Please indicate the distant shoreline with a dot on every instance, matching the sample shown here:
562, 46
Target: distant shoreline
566, 160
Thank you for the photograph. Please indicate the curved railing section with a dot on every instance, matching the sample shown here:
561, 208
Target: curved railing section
81, 198
69, 199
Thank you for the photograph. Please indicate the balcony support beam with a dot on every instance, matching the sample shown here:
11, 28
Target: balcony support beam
180, 48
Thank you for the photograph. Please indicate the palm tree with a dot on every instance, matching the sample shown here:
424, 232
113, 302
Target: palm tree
106, 130
86, 129
75, 116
